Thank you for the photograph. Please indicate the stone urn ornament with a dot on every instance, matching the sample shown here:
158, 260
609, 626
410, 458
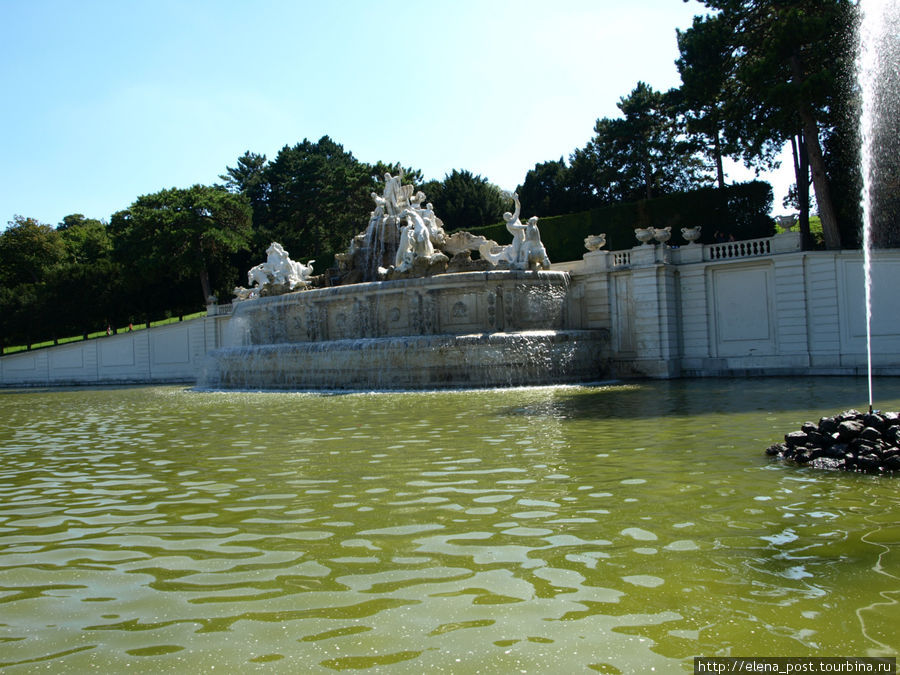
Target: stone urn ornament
786, 222
594, 242
691, 234
644, 234
662, 234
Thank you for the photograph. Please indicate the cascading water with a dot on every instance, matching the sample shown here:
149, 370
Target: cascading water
878, 77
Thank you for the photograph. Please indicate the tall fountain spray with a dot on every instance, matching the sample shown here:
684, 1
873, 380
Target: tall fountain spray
878, 76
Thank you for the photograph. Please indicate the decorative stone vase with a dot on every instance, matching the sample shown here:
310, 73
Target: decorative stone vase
662, 234
691, 234
594, 242
644, 235
786, 222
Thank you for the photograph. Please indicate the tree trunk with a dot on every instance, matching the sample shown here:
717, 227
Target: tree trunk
803, 187
720, 170
204, 283
801, 176
647, 181
820, 182
817, 166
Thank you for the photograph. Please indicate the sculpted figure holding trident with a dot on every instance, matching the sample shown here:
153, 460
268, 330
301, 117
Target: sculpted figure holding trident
396, 196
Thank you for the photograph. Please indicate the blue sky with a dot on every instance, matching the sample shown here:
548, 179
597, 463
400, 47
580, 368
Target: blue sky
106, 100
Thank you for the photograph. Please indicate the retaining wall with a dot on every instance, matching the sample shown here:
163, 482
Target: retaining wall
174, 353
760, 307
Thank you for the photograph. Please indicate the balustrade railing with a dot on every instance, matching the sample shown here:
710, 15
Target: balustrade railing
621, 258
729, 250
738, 249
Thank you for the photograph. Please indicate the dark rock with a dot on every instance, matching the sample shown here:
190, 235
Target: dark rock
892, 435
892, 463
802, 456
836, 451
868, 462
862, 447
776, 450
870, 434
819, 439
849, 429
875, 420
828, 425
808, 427
841, 448
850, 441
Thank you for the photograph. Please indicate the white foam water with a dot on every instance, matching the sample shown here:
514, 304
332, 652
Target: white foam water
877, 78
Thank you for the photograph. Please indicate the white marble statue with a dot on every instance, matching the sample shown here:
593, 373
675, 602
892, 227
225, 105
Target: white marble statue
533, 255
415, 240
278, 271
396, 196
434, 224
466, 241
404, 259
512, 253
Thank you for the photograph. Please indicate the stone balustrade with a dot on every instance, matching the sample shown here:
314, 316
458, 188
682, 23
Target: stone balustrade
760, 306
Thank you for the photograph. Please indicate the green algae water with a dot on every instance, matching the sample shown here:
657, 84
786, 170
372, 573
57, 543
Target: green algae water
612, 529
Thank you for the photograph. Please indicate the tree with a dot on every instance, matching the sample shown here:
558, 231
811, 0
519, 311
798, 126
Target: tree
248, 178
546, 190
643, 155
787, 59
706, 66
86, 239
312, 198
29, 251
180, 233
464, 200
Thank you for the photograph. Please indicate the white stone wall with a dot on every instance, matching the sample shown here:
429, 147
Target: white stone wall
760, 307
173, 353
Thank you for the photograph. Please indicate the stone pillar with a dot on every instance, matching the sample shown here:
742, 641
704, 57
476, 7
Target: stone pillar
823, 315
791, 325
694, 300
655, 289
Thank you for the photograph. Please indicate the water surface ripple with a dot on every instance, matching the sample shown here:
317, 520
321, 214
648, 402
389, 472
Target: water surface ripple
578, 529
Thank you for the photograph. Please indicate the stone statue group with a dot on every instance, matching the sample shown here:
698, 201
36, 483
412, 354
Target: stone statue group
526, 250
279, 274
404, 218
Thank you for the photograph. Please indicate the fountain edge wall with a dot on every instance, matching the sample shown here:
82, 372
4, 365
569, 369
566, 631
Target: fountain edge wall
669, 313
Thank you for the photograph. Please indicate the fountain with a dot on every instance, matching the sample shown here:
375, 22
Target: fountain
877, 63
853, 441
412, 309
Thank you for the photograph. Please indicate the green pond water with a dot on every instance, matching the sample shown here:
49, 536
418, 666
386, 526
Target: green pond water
612, 529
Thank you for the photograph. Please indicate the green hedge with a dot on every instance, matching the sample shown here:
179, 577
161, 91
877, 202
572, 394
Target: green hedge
739, 210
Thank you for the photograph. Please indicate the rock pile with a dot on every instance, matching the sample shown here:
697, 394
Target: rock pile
851, 441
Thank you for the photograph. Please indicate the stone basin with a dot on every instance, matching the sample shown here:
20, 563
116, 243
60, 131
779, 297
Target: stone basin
472, 329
